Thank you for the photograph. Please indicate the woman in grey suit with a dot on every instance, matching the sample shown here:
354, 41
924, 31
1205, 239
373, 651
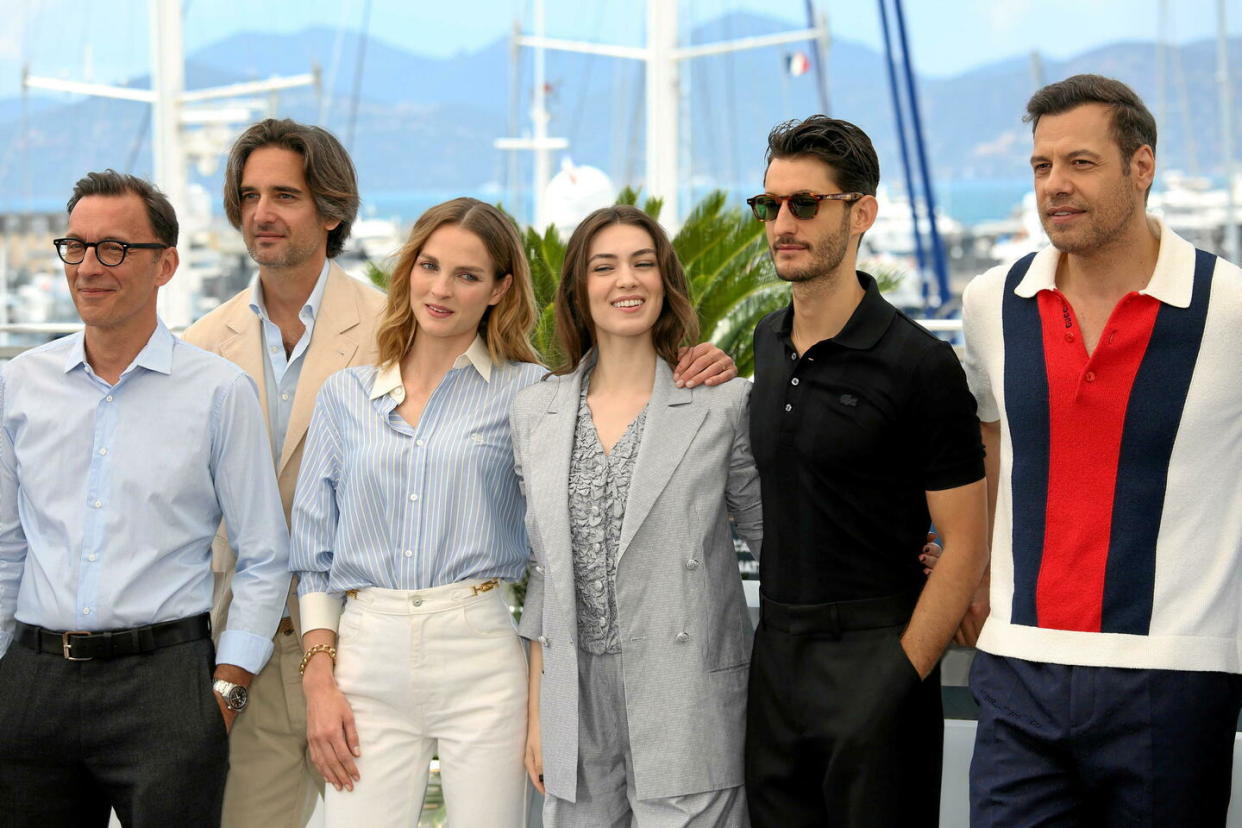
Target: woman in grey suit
640, 635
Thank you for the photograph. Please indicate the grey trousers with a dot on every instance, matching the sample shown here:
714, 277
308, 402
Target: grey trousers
140, 734
606, 793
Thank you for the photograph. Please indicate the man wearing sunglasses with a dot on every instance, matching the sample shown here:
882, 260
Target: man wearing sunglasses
864, 432
121, 447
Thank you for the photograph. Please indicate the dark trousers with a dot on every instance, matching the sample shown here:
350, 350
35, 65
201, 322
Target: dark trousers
140, 734
840, 731
1098, 746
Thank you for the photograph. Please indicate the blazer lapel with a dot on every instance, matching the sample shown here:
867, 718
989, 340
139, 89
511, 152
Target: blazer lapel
331, 348
547, 484
244, 348
672, 422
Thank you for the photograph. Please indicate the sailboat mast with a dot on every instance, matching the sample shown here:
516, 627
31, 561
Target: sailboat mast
168, 83
663, 105
1233, 244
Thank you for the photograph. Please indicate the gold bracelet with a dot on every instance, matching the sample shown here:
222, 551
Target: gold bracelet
309, 654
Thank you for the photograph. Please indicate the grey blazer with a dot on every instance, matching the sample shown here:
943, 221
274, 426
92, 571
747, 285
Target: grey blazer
685, 632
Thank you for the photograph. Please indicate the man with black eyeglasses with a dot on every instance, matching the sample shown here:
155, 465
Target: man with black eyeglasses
864, 432
121, 447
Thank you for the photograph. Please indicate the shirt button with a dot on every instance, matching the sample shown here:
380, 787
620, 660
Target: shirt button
284, 397
1069, 337
273, 349
86, 610
102, 452
418, 442
682, 637
108, 398
692, 564
413, 497
794, 357
90, 557
408, 553
793, 381
788, 407
1090, 377
98, 504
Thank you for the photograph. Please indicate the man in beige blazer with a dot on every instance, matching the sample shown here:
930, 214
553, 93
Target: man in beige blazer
292, 191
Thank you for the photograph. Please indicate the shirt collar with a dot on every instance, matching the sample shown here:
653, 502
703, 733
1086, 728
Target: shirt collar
1171, 282
156, 355
866, 324
388, 377
309, 312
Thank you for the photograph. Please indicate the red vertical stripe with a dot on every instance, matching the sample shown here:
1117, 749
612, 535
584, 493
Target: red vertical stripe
1087, 399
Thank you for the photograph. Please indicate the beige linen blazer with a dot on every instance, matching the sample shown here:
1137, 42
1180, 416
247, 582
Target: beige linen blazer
685, 631
344, 335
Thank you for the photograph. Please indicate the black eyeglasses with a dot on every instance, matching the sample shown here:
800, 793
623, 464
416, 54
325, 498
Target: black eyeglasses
110, 252
801, 205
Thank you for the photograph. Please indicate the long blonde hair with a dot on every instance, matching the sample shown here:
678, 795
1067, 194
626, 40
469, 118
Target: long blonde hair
505, 326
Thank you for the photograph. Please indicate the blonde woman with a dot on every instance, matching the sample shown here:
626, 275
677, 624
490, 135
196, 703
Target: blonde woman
408, 508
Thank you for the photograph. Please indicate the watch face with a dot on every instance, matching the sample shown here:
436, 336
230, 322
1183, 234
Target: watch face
237, 698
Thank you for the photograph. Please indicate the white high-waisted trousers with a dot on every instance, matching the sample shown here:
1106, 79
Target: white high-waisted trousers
428, 671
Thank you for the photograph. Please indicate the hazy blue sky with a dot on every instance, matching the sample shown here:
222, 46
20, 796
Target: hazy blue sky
108, 41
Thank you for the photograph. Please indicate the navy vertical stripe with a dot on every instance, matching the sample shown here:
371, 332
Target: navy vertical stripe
1026, 408
1153, 416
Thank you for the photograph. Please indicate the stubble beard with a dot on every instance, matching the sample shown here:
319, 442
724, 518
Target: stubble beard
292, 255
827, 253
1107, 221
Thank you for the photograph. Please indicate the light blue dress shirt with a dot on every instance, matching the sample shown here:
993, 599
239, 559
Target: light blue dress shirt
381, 504
110, 495
280, 371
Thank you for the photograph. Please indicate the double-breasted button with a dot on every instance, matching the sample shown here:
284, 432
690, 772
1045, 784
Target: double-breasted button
692, 564
682, 637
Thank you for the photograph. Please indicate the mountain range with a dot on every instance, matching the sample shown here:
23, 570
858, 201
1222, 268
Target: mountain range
427, 124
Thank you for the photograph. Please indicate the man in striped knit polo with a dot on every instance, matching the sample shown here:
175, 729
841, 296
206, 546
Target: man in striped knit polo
1105, 369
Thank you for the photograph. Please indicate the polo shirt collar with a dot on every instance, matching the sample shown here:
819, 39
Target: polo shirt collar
388, 377
1172, 281
156, 355
866, 324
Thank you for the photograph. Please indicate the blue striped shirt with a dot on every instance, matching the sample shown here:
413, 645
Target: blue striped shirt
382, 504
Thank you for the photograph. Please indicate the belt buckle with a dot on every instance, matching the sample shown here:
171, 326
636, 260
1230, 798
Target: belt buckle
66, 645
486, 586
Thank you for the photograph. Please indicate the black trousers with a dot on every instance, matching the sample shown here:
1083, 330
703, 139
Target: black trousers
140, 734
840, 731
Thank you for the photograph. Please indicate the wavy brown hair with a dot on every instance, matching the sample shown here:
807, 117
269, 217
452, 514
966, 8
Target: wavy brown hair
505, 326
329, 172
677, 325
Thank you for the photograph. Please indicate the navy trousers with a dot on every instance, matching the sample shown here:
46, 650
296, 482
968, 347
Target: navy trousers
1095, 747
141, 734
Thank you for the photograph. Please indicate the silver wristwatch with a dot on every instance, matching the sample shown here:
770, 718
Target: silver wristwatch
235, 696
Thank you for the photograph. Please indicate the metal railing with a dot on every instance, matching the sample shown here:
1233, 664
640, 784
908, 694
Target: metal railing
47, 330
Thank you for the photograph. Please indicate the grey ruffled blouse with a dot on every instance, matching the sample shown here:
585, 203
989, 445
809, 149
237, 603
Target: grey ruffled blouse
599, 484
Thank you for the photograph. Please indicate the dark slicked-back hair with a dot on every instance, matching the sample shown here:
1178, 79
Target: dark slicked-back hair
112, 183
1133, 124
839, 144
329, 172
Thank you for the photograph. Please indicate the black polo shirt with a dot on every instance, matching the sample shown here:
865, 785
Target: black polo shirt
848, 438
